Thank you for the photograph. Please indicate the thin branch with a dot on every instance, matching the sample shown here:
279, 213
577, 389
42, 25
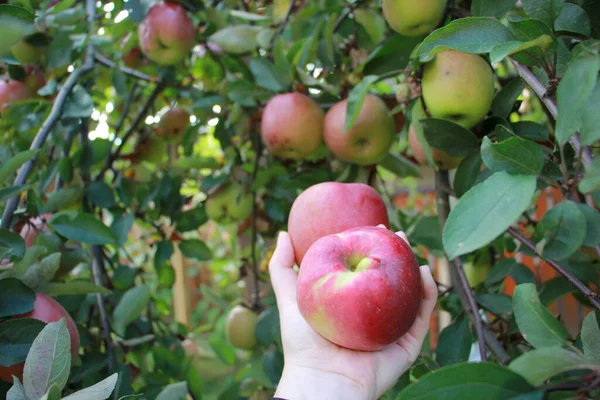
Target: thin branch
255, 273
128, 102
97, 267
102, 60
468, 298
349, 10
586, 291
282, 25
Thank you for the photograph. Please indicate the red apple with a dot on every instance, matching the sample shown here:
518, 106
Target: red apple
45, 309
173, 124
370, 138
360, 289
167, 34
12, 91
292, 126
134, 58
333, 207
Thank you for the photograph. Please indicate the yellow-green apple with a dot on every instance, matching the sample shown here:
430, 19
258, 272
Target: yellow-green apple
413, 18
45, 309
167, 34
369, 140
12, 91
173, 124
229, 204
459, 87
26, 53
240, 327
332, 207
292, 126
360, 289
443, 160
478, 268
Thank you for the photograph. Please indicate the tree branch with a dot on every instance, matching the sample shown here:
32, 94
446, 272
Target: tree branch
97, 267
256, 299
586, 291
102, 60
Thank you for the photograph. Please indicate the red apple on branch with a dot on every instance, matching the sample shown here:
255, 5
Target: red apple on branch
333, 207
12, 91
360, 289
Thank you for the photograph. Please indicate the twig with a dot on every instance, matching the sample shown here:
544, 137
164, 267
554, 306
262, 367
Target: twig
586, 291
53, 117
282, 25
128, 102
468, 298
97, 267
349, 10
138, 119
256, 299
102, 60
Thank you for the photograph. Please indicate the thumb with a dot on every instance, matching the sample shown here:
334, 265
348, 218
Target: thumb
283, 277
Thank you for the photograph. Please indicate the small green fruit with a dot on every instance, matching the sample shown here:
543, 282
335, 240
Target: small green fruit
230, 204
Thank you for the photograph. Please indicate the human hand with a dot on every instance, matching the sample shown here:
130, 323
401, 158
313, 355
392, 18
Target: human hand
318, 369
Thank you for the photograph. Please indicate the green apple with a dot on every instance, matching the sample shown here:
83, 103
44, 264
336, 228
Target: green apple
230, 204
26, 53
458, 87
413, 18
241, 324
478, 268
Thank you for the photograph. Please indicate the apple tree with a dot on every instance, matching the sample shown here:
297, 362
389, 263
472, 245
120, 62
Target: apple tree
150, 151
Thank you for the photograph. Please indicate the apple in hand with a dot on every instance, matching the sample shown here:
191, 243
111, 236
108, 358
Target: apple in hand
360, 289
333, 207
12, 91
413, 18
292, 126
443, 160
458, 87
45, 309
229, 204
241, 324
167, 34
173, 124
370, 138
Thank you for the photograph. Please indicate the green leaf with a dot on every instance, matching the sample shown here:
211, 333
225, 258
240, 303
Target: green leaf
63, 198
236, 39
373, 22
14, 242
16, 12
562, 231
531, 130
590, 118
13, 27
454, 343
17, 391
41, 370
473, 381
592, 223
223, 350
573, 19
539, 365
507, 96
574, 91
100, 391
12, 165
491, 8
121, 226
72, 288
267, 327
554, 289
194, 248
449, 137
17, 298
427, 233
192, 219
503, 50
471, 35
467, 173
101, 195
514, 156
265, 74
391, 55
590, 337
174, 391
39, 274
546, 11
591, 180
53, 393
528, 31
486, 211
400, 166
417, 114
84, 228
356, 99
132, 305
79, 104
537, 325
16, 337
12, 191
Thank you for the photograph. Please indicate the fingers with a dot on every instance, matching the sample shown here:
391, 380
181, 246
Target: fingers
283, 277
403, 237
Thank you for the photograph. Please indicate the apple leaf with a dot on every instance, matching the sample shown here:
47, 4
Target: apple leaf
554, 289
265, 74
505, 99
573, 19
531, 130
473, 381
74, 287
590, 118
591, 180
514, 155
391, 55
535, 322
449, 137
495, 302
590, 337
16, 337
562, 231
130, 307
503, 50
418, 113
467, 173
491, 8
356, 99
373, 22
539, 365
236, 39
42, 272
100, 391
13, 242
17, 391
84, 228
17, 298
454, 344
267, 327
195, 248
13, 164
174, 391
486, 211
400, 166
592, 219
471, 35
546, 11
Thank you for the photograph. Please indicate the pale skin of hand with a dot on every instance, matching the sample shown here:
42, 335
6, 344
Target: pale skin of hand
318, 369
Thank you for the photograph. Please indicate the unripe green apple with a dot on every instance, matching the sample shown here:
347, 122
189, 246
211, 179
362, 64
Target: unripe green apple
25, 53
151, 149
230, 204
173, 124
370, 138
443, 160
240, 328
478, 268
458, 87
413, 18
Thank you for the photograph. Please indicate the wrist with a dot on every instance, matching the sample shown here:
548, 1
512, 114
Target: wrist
301, 383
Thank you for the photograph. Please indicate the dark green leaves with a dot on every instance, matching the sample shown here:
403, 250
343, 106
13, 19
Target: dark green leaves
562, 231
473, 381
356, 99
467, 173
590, 337
11, 166
454, 343
131, 306
505, 99
15, 298
592, 223
194, 248
536, 323
514, 156
449, 137
573, 19
16, 337
13, 244
486, 211
544, 10
84, 228
491, 8
540, 365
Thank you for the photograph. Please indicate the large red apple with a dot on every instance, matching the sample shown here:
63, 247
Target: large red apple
360, 289
292, 126
167, 34
12, 91
45, 309
333, 207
